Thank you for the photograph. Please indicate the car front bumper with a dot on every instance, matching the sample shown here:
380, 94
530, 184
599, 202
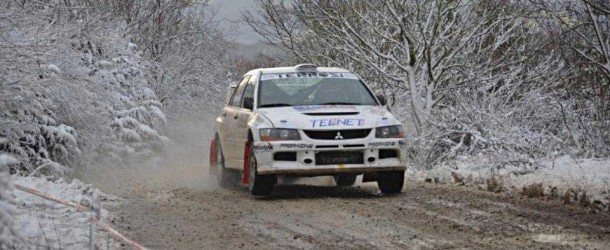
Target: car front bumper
377, 156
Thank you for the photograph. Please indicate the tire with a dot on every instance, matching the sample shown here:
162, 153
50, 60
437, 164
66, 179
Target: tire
223, 175
391, 182
258, 185
345, 180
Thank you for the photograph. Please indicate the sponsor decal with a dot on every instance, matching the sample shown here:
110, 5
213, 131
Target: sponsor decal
306, 108
296, 145
322, 107
381, 144
332, 122
266, 77
263, 147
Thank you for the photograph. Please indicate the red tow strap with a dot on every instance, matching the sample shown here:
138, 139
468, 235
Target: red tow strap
244, 176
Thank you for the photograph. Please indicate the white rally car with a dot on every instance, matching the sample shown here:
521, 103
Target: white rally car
307, 121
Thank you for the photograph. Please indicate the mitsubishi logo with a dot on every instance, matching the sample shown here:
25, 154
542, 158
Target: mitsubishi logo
339, 136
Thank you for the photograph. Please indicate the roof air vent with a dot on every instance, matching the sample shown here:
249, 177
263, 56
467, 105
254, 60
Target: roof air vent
306, 67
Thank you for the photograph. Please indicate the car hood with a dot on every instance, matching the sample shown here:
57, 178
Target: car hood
329, 117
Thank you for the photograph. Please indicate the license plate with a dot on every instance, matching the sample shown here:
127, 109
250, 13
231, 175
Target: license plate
339, 157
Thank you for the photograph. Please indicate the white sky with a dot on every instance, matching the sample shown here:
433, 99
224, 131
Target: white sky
231, 11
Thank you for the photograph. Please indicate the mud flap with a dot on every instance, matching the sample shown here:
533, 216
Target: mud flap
369, 177
212, 157
244, 176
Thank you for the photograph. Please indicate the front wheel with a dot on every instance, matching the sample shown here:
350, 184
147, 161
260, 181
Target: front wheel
391, 182
259, 185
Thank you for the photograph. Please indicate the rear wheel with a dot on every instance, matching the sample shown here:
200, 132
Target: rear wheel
259, 185
345, 180
391, 182
223, 175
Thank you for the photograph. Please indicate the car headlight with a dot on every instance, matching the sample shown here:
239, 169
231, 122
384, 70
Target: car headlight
389, 132
279, 134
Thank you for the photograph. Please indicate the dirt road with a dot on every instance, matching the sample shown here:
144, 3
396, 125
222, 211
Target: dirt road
176, 206
303, 216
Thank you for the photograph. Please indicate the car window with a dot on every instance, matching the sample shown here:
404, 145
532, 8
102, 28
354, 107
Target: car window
236, 99
298, 89
230, 91
249, 92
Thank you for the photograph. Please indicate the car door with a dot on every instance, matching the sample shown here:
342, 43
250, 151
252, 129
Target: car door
241, 123
230, 117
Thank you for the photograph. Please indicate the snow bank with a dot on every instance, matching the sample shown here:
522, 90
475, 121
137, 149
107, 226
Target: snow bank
583, 181
564, 173
9, 235
46, 224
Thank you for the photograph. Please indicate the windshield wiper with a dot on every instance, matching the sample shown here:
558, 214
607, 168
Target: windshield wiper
340, 103
275, 105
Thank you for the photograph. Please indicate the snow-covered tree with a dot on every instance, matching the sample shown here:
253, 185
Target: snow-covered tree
423, 47
190, 53
581, 31
472, 75
67, 73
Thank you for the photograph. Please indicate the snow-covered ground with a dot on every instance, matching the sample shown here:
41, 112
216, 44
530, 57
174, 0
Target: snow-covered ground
49, 225
591, 175
564, 177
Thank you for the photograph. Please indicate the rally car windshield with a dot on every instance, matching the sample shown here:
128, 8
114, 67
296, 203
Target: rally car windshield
299, 89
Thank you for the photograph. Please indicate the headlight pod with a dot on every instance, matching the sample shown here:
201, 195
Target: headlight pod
389, 132
279, 134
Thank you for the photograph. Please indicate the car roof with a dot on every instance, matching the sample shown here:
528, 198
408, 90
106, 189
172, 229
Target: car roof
295, 69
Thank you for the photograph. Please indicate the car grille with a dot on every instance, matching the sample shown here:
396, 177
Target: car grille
332, 134
339, 157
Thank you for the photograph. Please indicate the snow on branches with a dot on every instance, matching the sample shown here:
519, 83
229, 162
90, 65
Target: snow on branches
58, 108
474, 77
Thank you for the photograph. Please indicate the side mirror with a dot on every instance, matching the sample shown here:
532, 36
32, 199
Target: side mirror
248, 103
381, 100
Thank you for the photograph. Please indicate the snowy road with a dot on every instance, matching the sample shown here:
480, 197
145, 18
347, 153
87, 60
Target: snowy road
302, 216
176, 206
